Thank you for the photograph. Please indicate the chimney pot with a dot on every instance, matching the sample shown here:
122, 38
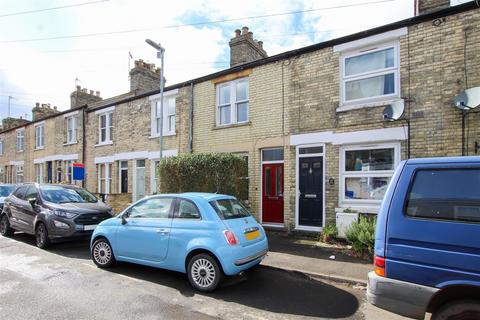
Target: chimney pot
55, 108
237, 33
97, 93
250, 35
84, 90
37, 104
78, 88
260, 43
244, 30
91, 91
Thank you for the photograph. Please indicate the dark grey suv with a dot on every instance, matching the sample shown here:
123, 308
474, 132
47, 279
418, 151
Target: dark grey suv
52, 212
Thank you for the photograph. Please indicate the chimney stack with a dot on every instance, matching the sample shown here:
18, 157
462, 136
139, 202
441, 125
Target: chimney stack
43, 110
427, 6
243, 48
144, 77
82, 96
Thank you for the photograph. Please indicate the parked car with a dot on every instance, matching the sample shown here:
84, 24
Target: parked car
5, 191
52, 212
427, 243
204, 235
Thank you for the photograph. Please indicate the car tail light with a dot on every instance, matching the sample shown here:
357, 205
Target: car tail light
379, 266
230, 237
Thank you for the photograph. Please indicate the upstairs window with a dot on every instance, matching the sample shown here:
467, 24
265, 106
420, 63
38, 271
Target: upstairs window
105, 128
369, 75
169, 116
39, 136
1, 147
232, 102
71, 129
20, 140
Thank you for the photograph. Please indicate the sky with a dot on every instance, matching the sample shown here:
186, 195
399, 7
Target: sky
49, 46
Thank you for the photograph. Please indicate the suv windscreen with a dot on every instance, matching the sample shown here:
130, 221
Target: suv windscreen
229, 209
58, 194
6, 190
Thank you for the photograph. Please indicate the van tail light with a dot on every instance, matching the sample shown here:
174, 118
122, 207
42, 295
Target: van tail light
379, 266
230, 237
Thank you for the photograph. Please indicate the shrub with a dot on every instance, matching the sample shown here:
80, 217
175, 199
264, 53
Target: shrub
361, 235
210, 172
329, 233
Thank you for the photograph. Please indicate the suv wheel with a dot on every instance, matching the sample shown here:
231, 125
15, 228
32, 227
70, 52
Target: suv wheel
5, 229
41, 236
458, 310
102, 253
204, 273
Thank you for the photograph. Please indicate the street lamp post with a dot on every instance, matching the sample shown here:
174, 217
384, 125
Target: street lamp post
160, 54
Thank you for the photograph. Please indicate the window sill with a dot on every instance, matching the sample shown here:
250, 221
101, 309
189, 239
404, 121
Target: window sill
369, 104
358, 208
169, 134
70, 143
39, 148
104, 144
234, 125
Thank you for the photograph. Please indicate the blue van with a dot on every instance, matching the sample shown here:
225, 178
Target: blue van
427, 242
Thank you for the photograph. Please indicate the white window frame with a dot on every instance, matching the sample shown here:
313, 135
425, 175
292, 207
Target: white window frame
39, 174
19, 173
108, 128
379, 72
40, 136
155, 116
71, 129
20, 143
233, 101
107, 177
345, 203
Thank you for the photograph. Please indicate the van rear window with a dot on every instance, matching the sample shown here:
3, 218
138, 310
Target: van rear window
445, 194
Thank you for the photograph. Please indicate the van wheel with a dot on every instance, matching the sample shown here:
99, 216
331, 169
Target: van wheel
204, 273
102, 253
41, 236
5, 229
458, 310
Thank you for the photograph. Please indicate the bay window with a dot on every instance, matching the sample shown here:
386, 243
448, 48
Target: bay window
370, 75
232, 102
366, 171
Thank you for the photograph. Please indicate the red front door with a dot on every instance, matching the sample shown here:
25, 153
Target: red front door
272, 193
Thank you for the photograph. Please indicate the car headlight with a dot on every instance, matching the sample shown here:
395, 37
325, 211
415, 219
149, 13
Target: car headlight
63, 214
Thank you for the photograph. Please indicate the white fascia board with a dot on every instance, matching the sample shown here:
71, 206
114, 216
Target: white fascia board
40, 123
152, 155
106, 110
107, 159
62, 157
74, 113
366, 136
378, 38
131, 155
165, 94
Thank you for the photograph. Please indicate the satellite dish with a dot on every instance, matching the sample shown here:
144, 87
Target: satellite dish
394, 111
467, 99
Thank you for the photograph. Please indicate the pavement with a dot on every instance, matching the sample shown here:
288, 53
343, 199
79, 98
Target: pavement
315, 260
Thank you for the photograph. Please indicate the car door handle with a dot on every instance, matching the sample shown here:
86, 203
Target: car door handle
163, 231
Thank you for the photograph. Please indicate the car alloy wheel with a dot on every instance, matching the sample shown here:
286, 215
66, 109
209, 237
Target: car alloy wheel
204, 272
102, 253
41, 235
5, 229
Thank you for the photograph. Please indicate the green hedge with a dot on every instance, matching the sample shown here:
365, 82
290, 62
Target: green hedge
209, 172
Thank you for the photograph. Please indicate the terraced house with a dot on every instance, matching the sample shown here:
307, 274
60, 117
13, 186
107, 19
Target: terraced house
310, 122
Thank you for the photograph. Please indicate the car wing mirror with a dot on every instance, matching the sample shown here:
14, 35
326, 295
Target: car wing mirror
125, 215
33, 202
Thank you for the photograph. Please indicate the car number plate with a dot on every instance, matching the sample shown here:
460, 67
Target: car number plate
90, 227
252, 235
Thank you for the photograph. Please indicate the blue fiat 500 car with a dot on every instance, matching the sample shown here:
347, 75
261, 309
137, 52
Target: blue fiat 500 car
204, 235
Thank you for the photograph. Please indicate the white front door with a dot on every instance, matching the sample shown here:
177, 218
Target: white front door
139, 179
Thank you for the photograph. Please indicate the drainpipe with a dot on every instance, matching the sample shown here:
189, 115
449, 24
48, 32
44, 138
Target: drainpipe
84, 145
190, 121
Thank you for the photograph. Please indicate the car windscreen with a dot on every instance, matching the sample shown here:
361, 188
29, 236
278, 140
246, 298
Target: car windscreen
6, 190
58, 194
229, 209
